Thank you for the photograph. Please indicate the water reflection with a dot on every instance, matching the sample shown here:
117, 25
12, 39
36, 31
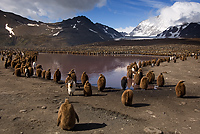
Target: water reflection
112, 67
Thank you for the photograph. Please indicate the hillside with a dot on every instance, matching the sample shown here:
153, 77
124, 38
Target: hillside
19, 31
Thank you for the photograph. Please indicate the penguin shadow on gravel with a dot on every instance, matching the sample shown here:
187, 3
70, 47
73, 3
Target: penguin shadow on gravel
88, 126
137, 105
190, 97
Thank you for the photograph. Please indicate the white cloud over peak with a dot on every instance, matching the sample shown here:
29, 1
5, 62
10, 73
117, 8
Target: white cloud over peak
180, 12
49, 10
177, 14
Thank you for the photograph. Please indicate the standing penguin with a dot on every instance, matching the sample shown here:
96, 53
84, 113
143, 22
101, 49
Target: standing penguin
39, 72
73, 75
43, 73
180, 89
127, 97
57, 76
124, 82
48, 74
137, 78
67, 116
144, 82
101, 82
87, 89
158, 62
84, 78
151, 76
160, 80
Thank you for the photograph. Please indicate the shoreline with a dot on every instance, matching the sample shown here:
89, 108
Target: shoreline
30, 105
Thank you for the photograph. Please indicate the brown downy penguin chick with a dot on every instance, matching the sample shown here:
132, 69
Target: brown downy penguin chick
57, 76
144, 82
158, 62
73, 75
87, 89
160, 80
180, 89
39, 66
68, 78
139, 64
174, 60
129, 73
101, 83
127, 97
67, 116
151, 76
39, 72
84, 78
18, 72
124, 82
48, 74
137, 78
140, 72
43, 73
30, 69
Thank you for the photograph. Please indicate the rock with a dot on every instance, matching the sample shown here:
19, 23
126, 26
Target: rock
196, 110
152, 130
23, 111
149, 112
183, 103
44, 107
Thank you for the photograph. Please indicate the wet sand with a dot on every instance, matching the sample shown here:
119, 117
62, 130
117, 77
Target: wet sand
30, 105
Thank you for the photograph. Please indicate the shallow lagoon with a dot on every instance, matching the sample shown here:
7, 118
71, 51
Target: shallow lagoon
112, 67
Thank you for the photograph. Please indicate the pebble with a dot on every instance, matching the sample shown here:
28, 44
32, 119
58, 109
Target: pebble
23, 111
183, 103
152, 130
149, 112
44, 107
196, 110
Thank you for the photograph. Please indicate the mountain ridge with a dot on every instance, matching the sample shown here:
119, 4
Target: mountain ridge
17, 30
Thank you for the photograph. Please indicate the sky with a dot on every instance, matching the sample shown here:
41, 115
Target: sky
122, 15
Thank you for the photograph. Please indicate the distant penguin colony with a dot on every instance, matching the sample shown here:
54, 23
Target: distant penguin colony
127, 97
101, 82
124, 82
160, 80
87, 89
67, 116
180, 89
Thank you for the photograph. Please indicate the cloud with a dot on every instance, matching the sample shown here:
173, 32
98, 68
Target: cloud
50, 10
127, 29
180, 12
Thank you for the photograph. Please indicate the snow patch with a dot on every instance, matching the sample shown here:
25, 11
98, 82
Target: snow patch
33, 25
74, 26
93, 31
78, 21
10, 30
56, 34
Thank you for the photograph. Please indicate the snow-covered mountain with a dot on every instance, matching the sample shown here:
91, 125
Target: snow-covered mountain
15, 29
178, 14
188, 30
148, 28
